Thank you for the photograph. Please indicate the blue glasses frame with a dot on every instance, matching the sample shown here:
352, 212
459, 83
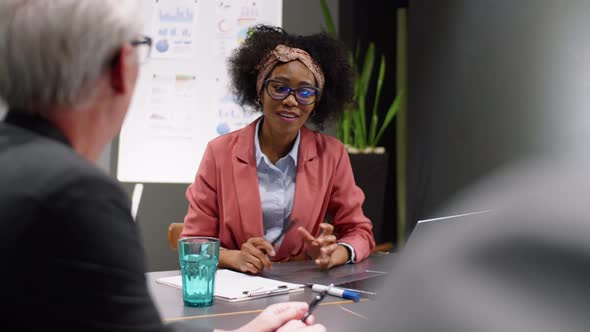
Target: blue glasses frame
298, 93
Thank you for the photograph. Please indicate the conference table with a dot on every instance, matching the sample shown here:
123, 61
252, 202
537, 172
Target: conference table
336, 313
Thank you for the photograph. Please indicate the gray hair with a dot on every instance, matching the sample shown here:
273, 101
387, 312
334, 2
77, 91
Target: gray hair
53, 51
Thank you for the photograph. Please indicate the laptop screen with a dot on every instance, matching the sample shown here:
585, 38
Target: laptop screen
436, 224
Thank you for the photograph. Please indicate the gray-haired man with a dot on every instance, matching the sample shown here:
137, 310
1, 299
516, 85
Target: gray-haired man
71, 253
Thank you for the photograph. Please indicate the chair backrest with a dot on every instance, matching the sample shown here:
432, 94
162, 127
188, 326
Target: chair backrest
174, 230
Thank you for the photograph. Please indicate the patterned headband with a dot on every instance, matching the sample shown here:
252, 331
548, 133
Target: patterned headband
283, 53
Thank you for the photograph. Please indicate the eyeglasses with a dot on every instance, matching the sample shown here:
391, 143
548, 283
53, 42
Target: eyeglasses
278, 90
144, 47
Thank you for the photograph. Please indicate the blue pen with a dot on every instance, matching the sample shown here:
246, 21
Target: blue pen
335, 291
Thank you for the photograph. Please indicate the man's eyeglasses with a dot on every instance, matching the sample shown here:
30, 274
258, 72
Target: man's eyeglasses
144, 47
278, 90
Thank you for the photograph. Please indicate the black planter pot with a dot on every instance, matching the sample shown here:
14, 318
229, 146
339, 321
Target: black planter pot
370, 174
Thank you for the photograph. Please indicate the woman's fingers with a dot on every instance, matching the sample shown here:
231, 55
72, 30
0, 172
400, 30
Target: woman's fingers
323, 262
262, 244
325, 257
307, 237
326, 240
251, 268
322, 247
329, 249
261, 249
253, 255
324, 237
248, 257
262, 258
327, 229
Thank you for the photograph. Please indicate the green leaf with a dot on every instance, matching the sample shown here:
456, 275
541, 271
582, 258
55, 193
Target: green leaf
375, 116
328, 17
367, 68
360, 124
393, 108
364, 80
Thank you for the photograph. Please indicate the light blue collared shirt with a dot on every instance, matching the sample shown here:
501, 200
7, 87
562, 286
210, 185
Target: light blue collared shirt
276, 184
277, 188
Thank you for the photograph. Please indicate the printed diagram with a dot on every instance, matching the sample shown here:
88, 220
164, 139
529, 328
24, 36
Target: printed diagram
174, 27
232, 116
171, 105
233, 19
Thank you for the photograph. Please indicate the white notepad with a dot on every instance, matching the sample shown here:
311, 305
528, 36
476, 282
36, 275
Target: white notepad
234, 286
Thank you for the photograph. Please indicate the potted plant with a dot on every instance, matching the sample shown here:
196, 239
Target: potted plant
361, 129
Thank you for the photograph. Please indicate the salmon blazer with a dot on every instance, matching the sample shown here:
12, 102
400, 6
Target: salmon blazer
224, 199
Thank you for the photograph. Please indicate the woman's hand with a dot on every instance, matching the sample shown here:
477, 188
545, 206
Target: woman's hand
324, 250
251, 258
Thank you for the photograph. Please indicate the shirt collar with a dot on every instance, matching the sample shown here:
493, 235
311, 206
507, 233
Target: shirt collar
259, 155
35, 123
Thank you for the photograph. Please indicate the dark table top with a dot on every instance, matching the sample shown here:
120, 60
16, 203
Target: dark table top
334, 312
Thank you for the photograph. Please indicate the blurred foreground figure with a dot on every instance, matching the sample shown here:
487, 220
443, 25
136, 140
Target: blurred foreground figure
71, 254
523, 267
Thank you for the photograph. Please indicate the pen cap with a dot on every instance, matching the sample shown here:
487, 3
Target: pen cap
335, 291
350, 295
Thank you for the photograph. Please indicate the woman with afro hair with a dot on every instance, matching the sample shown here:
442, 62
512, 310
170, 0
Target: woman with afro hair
275, 190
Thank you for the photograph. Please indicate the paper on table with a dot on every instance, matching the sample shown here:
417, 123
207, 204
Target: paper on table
231, 285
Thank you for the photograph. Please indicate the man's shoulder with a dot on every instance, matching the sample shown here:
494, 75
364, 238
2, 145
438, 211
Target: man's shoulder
41, 164
47, 187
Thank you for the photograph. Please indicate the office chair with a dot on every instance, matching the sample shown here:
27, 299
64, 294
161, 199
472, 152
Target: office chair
174, 230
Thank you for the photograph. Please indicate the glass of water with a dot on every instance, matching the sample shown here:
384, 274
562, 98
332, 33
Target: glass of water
198, 258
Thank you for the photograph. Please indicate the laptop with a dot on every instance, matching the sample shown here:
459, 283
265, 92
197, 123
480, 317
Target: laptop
423, 227
371, 279
429, 225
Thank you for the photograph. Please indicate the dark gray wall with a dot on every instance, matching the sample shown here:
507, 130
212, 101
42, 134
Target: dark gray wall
162, 204
491, 82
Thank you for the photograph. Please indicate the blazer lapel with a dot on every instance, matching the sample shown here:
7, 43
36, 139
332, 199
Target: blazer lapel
304, 202
246, 185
